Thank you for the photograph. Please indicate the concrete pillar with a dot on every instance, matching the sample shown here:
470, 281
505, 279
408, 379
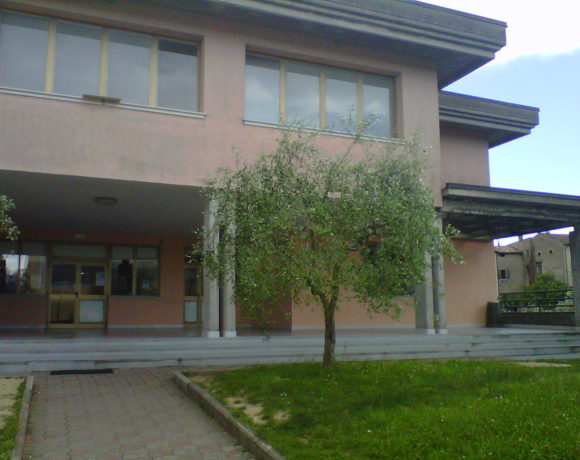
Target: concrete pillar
228, 305
424, 311
575, 256
440, 319
210, 310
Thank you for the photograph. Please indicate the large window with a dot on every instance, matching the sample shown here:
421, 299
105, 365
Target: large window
135, 270
22, 268
285, 91
75, 59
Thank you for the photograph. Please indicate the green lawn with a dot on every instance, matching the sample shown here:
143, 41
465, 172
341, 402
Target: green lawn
10, 429
411, 410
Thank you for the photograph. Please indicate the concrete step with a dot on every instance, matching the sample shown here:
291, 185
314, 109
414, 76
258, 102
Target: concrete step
20, 357
23, 363
105, 344
235, 349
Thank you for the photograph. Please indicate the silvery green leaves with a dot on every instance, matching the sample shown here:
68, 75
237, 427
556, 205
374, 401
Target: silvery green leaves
310, 224
8, 228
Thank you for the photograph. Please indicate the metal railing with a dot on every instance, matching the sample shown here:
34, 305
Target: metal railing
560, 300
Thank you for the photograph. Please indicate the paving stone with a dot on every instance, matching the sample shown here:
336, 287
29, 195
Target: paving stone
131, 414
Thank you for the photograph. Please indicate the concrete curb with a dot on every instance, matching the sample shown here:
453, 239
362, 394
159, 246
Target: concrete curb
23, 419
246, 437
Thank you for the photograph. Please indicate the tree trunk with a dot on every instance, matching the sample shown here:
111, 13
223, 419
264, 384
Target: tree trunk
329, 335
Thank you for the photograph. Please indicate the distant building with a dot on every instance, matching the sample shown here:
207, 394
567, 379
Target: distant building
519, 263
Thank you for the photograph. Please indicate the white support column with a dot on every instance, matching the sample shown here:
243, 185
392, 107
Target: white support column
210, 314
575, 256
439, 307
424, 300
228, 304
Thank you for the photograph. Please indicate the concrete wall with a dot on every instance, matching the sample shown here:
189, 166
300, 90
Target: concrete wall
464, 158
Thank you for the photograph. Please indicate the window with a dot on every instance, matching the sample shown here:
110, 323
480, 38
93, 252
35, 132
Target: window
128, 67
503, 274
280, 90
22, 270
177, 75
23, 51
341, 100
78, 54
75, 59
540, 268
135, 270
193, 287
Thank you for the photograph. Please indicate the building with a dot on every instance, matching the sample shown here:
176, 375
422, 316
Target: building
518, 262
511, 271
115, 112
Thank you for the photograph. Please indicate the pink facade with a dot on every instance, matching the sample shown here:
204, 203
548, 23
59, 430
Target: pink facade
45, 135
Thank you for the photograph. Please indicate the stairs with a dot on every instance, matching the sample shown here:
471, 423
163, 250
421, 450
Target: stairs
21, 356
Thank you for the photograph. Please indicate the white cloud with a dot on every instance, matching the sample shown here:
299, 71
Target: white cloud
535, 27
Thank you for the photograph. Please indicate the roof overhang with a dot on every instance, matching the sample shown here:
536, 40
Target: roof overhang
456, 43
59, 202
480, 212
498, 121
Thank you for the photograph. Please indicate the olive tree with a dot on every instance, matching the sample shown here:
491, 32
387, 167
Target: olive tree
320, 226
8, 228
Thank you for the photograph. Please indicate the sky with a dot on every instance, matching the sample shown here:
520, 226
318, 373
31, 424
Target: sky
539, 67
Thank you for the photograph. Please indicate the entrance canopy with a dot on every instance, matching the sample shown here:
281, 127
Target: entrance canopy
85, 204
485, 213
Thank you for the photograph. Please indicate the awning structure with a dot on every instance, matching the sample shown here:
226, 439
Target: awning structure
59, 202
484, 213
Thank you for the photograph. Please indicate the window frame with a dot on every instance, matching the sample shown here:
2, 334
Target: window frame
502, 272
133, 261
199, 281
110, 100
392, 86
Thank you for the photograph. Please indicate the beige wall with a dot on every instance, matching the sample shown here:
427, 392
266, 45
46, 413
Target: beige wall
464, 158
351, 314
76, 138
469, 286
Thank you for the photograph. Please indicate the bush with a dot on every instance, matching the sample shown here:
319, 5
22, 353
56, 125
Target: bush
546, 290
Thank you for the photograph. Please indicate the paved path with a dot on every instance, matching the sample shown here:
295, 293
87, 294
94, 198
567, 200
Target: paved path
130, 414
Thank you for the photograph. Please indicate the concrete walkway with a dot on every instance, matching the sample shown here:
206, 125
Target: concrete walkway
130, 414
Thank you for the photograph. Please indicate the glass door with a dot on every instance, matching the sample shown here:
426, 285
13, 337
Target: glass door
77, 294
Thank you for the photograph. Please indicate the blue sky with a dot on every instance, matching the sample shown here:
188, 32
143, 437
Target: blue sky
539, 67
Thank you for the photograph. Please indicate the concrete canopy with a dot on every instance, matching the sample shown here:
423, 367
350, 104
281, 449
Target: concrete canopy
480, 212
498, 121
456, 43
58, 202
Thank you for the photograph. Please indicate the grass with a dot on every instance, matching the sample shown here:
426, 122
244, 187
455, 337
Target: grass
412, 410
10, 430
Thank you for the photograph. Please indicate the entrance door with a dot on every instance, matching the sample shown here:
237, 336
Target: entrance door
77, 294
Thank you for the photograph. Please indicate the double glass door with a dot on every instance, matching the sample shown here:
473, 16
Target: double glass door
77, 294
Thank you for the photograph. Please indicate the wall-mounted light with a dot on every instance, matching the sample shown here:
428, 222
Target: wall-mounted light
105, 200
